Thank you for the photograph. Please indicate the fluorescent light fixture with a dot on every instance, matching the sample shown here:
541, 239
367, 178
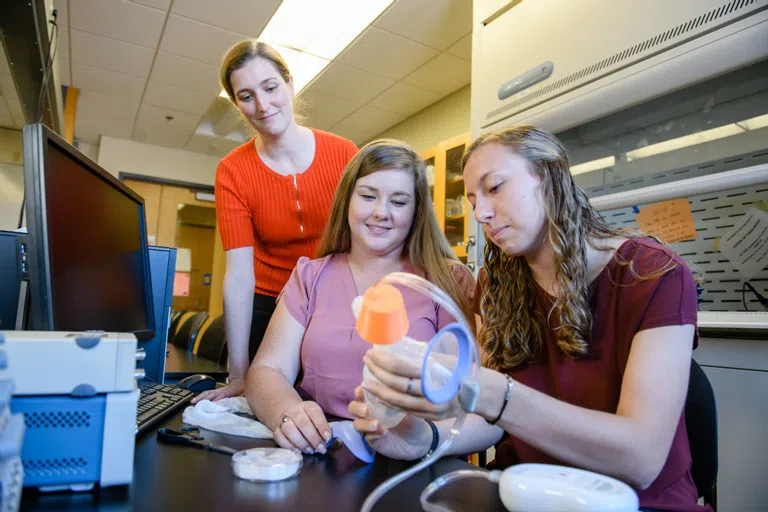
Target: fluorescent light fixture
322, 28
309, 34
755, 123
685, 141
593, 165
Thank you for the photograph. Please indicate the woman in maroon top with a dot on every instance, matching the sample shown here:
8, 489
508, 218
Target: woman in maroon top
587, 330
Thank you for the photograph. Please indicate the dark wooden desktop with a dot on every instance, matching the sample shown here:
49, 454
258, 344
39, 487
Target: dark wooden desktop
180, 363
169, 477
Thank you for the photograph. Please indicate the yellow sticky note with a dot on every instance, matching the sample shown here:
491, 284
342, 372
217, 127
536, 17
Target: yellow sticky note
762, 205
671, 221
716, 245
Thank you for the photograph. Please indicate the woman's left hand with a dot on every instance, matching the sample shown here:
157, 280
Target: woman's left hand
400, 387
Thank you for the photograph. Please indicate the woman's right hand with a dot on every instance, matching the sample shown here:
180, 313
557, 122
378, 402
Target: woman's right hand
408, 440
236, 387
303, 427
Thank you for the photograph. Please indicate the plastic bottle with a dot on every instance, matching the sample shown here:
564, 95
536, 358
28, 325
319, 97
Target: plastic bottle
382, 321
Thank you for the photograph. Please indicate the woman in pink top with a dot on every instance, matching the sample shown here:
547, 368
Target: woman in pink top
381, 221
586, 333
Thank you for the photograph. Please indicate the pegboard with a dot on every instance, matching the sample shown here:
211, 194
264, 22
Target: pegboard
713, 214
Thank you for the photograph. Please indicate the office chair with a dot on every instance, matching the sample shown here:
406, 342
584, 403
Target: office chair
701, 424
213, 340
174, 324
187, 333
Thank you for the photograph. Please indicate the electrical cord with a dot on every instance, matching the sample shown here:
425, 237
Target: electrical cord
47, 72
762, 300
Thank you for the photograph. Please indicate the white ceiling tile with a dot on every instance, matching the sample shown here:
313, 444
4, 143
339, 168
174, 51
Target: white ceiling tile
405, 99
444, 74
8, 90
187, 73
61, 16
99, 114
118, 19
370, 119
215, 146
62, 52
63, 66
463, 48
246, 17
91, 134
104, 81
163, 5
101, 107
178, 98
153, 127
435, 23
195, 40
353, 133
6, 121
111, 54
5, 68
383, 53
325, 111
348, 83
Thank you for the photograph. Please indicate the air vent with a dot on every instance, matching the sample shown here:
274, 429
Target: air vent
55, 467
59, 419
726, 10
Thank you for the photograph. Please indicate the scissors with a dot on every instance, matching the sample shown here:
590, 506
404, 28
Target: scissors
190, 436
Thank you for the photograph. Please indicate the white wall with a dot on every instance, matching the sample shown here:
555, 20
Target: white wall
120, 155
11, 194
440, 121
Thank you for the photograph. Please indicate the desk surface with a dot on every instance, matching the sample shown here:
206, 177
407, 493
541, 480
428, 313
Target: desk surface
179, 363
183, 478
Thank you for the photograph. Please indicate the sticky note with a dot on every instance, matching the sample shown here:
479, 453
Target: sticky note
181, 282
716, 245
671, 221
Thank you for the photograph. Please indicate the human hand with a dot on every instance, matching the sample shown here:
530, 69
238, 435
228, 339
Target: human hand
399, 386
408, 440
236, 387
303, 428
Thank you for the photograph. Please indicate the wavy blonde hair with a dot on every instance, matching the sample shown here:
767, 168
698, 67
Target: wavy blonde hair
512, 326
425, 245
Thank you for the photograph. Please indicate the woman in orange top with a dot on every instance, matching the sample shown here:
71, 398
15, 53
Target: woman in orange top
273, 196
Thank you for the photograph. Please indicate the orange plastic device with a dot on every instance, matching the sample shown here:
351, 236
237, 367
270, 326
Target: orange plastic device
382, 319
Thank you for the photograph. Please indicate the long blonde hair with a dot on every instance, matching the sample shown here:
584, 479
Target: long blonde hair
512, 327
425, 246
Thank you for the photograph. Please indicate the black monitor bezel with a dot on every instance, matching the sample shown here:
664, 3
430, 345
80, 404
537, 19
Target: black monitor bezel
36, 139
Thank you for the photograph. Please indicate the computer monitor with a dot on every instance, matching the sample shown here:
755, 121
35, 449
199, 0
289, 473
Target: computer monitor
10, 278
162, 262
87, 242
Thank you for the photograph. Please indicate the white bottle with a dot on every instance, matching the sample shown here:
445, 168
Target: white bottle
383, 322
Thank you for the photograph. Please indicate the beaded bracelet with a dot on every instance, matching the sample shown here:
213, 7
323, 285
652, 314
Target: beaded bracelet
510, 385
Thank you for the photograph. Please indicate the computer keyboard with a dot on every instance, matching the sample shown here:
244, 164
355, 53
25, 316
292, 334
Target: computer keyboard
156, 401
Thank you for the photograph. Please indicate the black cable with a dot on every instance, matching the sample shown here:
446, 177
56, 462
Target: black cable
762, 300
744, 296
48, 69
47, 72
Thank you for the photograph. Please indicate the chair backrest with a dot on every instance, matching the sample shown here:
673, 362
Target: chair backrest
175, 318
213, 340
701, 424
187, 333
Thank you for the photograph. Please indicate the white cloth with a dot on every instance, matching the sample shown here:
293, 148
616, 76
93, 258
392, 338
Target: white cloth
220, 417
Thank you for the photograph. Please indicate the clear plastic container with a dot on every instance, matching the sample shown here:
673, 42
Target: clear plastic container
266, 464
408, 349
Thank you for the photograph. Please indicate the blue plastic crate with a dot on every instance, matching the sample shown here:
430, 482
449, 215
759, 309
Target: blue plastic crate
63, 439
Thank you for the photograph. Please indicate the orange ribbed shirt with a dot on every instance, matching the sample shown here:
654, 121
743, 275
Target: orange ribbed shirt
281, 217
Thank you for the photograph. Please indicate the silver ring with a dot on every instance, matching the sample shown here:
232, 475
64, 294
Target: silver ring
410, 384
285, 419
